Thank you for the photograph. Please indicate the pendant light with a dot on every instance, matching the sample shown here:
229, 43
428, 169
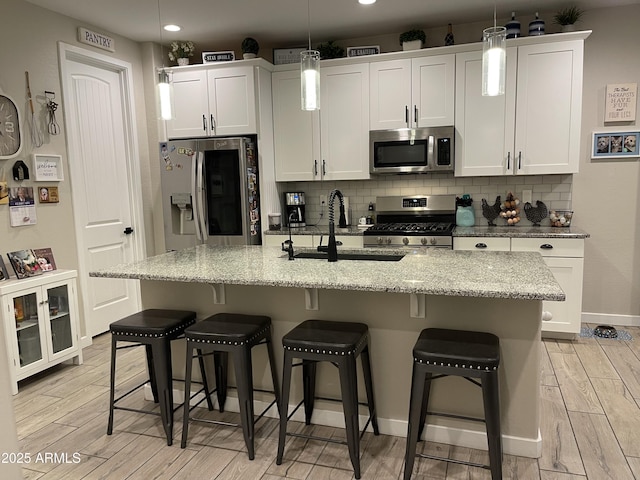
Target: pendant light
310, 73
164, 86
494, 59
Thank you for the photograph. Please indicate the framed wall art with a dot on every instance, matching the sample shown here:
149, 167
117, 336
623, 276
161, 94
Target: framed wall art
48, 168
615, 144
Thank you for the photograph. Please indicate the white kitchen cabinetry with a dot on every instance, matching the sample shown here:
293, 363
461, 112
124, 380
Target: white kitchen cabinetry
535, 127
348, 241
332, 144
41, 323
564, 257
213, 101
411, 93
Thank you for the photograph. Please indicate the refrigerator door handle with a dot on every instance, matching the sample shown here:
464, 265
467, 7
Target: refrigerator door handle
194, 198
200, 197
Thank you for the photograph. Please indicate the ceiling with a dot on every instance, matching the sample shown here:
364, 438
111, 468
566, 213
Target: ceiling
284, 22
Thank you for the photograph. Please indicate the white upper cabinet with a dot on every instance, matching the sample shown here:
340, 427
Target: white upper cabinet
213, 101
416, 92
328, 145
535, 127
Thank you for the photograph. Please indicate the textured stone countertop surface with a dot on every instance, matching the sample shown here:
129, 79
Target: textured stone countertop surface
476, 231
511, 275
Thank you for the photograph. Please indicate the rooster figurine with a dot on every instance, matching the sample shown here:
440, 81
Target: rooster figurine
536, 214
491, 212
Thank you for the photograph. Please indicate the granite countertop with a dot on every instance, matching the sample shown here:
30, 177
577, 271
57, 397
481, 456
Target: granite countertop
510, 275
475, 231
520, 232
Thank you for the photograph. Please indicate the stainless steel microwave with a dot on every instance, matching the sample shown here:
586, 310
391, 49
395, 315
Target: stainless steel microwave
411, 150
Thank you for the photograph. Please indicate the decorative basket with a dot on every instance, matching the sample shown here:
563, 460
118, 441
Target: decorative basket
561, 218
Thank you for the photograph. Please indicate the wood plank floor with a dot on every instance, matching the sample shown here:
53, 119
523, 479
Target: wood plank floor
590, 428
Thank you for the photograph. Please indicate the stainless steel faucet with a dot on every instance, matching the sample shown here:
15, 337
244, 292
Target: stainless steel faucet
332, 250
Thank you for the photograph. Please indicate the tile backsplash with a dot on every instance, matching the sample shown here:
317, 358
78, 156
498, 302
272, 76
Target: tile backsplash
553, 190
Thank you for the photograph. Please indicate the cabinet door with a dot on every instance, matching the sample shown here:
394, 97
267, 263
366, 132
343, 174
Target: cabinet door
484, 125
190, 100
390, 100
60, 317
28, 332
482, 244
433, 90
564, 317
344, 122
292, 130
549, 108
232, 101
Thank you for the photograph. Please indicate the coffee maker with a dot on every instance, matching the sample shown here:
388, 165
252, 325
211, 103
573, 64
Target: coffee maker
294, 208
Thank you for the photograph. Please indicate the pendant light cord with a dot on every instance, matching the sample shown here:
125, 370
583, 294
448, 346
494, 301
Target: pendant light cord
494, 16
160, 29
309, 21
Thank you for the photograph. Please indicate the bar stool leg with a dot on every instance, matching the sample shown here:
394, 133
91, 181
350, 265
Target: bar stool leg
205, 383
415, 411
221, 362
425, 403
368, 383
274, 370
244, 383
349, 387
112, 384
152, 373
284, 403
187, 394
491, 399
162, 369
309, 368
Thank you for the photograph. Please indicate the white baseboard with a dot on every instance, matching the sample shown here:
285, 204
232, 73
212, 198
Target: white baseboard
524, 447
86, 341
611, 319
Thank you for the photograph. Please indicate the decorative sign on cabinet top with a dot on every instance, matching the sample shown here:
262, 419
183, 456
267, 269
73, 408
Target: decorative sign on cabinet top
210, 57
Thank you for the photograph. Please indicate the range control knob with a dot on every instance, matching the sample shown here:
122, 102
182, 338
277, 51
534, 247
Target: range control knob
424, 240
433, 240
380, 240
388, 240
405, 240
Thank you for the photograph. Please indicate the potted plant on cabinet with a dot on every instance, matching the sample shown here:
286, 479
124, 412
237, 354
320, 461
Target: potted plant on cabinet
250, 48
330, 50
413, 39
180, 51
567, 17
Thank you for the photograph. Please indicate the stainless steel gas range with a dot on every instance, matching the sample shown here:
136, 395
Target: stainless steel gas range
413, 221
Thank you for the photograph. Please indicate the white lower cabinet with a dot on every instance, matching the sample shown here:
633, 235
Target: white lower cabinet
348, 241
41, 323
564, 257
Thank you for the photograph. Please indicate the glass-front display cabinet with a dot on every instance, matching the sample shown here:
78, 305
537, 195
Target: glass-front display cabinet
41, 328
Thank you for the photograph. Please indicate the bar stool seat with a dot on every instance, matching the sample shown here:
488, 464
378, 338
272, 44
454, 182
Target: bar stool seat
154, 329
468, 354
236, 334
339, 343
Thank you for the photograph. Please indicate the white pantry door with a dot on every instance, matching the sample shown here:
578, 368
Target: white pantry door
105, 180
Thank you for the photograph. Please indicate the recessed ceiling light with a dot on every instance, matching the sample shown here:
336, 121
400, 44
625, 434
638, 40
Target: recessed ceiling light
172, 28
366, 2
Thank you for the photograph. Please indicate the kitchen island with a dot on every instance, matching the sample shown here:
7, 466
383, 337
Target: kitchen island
496, 292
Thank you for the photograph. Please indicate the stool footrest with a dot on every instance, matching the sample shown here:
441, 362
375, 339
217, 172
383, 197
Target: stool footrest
461, 417
313, 437
453, 460
148, 412
130, 391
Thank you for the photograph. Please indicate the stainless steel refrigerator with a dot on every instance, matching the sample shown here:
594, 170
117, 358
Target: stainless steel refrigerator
210, 192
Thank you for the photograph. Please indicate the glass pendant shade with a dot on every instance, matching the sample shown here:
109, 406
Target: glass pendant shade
310, 79
494, 58
164, 94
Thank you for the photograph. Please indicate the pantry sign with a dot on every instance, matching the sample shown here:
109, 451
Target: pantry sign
620, 104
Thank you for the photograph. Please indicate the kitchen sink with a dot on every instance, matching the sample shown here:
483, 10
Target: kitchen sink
377, 257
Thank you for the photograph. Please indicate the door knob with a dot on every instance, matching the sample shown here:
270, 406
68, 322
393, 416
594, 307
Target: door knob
128, 231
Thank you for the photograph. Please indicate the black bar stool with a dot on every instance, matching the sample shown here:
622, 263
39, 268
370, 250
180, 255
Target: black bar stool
339, 343
155, 329
467, 354
236, 334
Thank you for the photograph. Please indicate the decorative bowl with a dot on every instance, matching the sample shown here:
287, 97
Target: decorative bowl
560, 218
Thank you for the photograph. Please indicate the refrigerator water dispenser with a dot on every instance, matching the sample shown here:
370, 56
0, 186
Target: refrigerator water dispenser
182, 214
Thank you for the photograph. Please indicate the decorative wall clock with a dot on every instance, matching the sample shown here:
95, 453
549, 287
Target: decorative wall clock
10, 136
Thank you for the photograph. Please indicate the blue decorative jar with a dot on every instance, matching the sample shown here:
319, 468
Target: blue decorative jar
513, 27
536, 27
